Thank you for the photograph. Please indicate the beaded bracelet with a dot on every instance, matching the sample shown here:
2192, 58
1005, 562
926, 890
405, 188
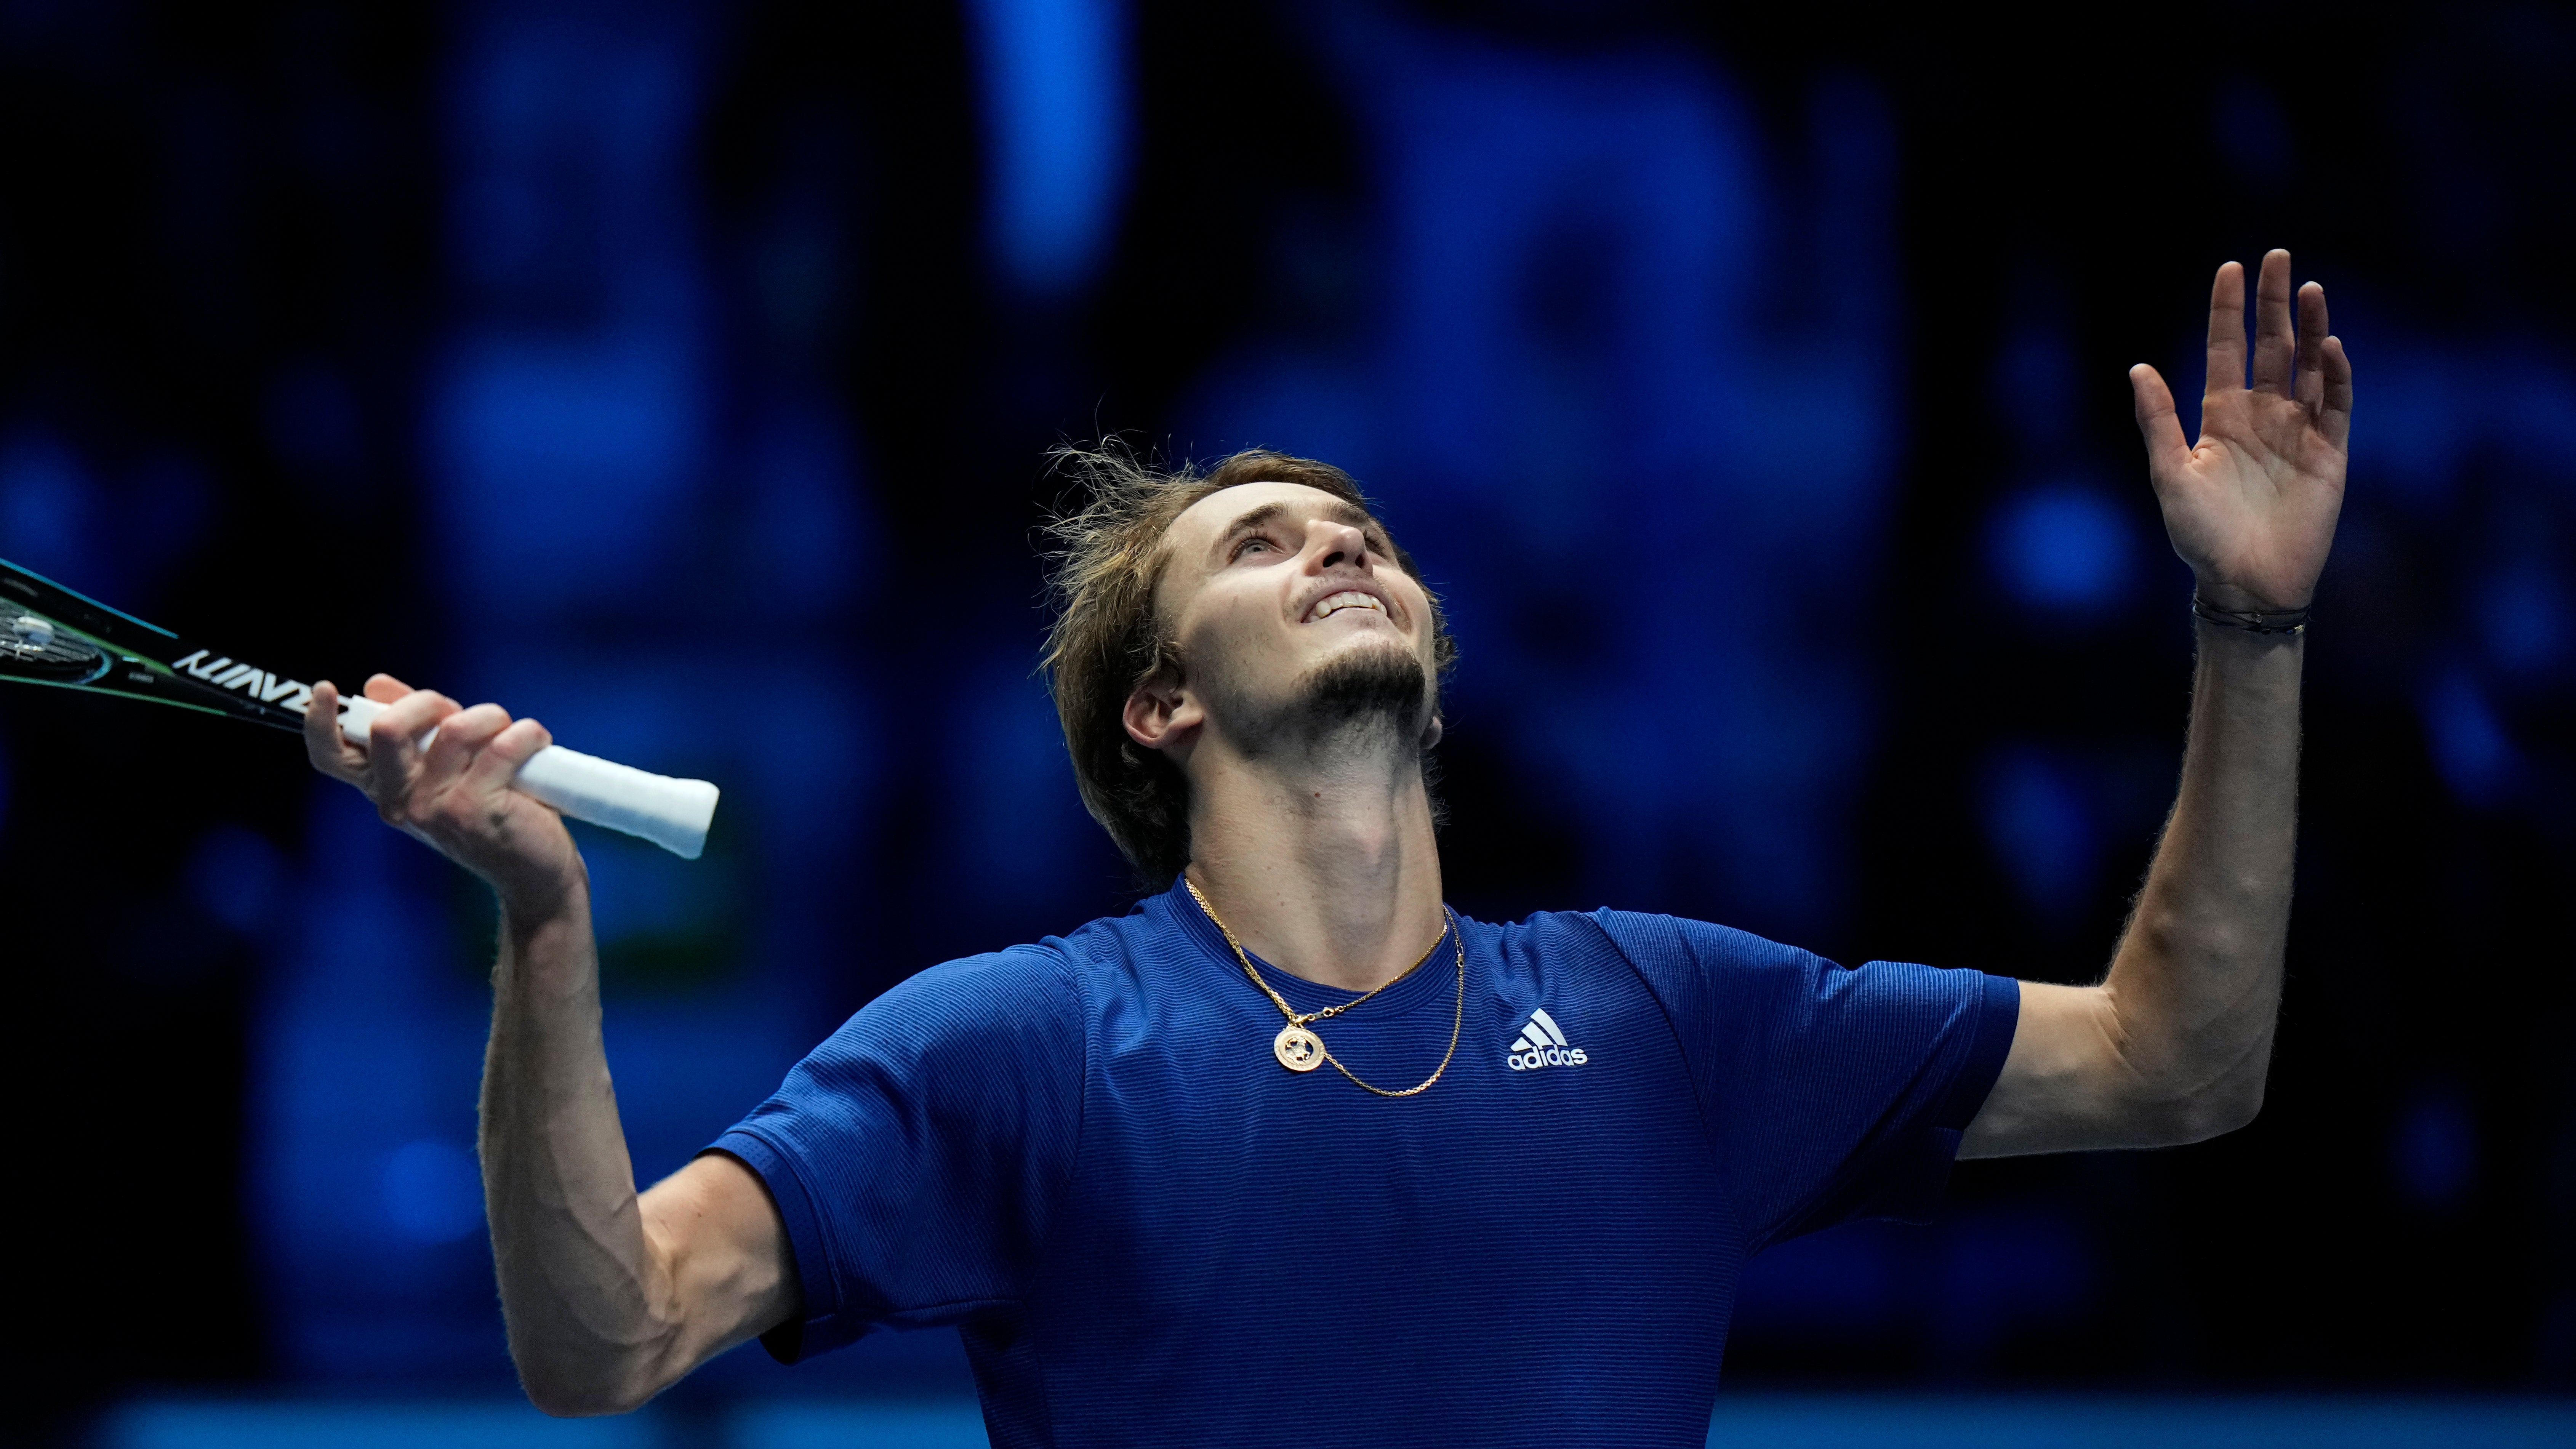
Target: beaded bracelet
2279, 621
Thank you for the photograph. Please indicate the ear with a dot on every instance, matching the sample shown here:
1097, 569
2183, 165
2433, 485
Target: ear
1162, 714
1431, 732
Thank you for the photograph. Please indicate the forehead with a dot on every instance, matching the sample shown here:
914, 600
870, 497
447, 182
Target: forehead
1211, 518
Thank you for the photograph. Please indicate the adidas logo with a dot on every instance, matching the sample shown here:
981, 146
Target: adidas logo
1542, 1044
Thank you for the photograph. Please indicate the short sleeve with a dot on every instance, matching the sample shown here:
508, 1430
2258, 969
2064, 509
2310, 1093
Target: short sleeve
1830, 1093
914, 1154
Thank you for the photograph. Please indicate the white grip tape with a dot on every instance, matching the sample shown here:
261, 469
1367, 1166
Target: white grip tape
673, 814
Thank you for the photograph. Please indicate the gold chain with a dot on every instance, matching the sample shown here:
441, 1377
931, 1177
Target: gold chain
1300, 1019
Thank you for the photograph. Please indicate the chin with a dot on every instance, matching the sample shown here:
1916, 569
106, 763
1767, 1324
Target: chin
1371, 681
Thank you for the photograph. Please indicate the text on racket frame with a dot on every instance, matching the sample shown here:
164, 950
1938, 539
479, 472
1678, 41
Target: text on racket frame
259, 684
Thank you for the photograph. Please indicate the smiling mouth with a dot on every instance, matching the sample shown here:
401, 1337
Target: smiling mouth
1331, 604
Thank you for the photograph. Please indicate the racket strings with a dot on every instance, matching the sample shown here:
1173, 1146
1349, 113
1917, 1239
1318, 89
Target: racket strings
33, 645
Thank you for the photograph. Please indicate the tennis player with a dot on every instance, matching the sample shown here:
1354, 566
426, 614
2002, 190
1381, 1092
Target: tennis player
1293, 1154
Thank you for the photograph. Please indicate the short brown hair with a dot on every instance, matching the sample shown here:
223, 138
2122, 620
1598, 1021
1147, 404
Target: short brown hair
1109, 638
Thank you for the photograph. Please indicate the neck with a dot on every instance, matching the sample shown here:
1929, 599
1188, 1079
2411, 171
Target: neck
1321, 859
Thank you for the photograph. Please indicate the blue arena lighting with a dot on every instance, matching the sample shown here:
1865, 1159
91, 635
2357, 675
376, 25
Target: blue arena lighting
1054, 78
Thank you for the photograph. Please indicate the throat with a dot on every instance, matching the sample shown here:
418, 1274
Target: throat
1333, 880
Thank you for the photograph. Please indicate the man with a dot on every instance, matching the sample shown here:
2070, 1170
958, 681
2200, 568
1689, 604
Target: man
1294, 1155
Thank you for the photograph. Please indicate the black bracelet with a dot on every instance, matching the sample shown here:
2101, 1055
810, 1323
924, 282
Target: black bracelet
2280, 621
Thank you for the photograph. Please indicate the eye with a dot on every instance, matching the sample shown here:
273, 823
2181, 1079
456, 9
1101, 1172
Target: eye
1251, 543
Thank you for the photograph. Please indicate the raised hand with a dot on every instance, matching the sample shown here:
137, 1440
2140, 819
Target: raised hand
454, 795
2251, 507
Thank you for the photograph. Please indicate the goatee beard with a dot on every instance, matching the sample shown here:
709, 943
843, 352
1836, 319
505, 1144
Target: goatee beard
1364, 692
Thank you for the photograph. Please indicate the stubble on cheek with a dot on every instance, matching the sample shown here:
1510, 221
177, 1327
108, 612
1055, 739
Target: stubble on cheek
1248, 671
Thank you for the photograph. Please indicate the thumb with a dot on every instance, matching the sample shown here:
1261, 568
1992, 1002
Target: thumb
2167, 450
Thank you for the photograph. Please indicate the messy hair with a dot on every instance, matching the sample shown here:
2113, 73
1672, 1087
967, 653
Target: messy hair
1108, 637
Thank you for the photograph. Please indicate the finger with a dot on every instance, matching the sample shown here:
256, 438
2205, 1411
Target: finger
461, 737
2312, 342
415, 714
497, 764
2335, 418
329, 753
2226, 329
393, 759
2273, 343
385, 689
2167, 450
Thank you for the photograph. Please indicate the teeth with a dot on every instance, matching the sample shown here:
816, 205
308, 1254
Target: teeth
1333, 604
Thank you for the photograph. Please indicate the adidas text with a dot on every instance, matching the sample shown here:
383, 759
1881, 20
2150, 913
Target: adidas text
1542, 1044
1533, 1059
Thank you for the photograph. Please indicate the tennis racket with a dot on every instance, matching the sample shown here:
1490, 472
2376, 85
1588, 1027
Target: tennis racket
50, 635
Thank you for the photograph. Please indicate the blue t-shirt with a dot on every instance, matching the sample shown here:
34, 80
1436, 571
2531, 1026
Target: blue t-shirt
1083, 1154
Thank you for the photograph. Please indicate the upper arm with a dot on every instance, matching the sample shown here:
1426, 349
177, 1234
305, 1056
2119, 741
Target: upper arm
910, 1160
724, 1257
2075, 1081
1829, 1094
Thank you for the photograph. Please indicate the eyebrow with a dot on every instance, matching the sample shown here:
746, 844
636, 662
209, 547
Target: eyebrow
1337, 510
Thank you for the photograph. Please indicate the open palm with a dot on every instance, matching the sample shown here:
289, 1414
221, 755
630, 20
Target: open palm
2251, 507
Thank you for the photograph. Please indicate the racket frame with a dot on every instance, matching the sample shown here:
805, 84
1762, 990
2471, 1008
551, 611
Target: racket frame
147, 662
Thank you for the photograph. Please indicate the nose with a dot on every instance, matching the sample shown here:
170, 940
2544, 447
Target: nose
1337, 542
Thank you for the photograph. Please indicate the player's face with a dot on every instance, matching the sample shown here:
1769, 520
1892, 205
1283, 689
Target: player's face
1270, 588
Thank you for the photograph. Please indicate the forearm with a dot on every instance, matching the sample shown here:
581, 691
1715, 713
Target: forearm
588, 1307
2173, 1045
2195, 986
608, 1296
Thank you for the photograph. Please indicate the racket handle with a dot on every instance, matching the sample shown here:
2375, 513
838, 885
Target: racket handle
673, 814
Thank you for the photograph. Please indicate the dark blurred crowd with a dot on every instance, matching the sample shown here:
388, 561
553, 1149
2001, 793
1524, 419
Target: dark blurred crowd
1754, 392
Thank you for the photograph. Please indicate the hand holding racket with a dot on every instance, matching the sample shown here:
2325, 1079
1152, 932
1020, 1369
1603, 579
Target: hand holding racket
443, 774
50, 635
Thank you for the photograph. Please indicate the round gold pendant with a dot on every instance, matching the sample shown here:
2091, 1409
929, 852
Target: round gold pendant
1297, 1049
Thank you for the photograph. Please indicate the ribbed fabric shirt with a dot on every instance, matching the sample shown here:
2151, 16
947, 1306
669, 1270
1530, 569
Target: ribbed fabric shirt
1083, 1155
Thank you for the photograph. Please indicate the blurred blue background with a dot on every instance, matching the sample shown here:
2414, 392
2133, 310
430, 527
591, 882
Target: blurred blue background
681, 373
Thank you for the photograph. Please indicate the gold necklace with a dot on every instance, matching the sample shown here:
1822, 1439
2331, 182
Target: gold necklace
1299, 1049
